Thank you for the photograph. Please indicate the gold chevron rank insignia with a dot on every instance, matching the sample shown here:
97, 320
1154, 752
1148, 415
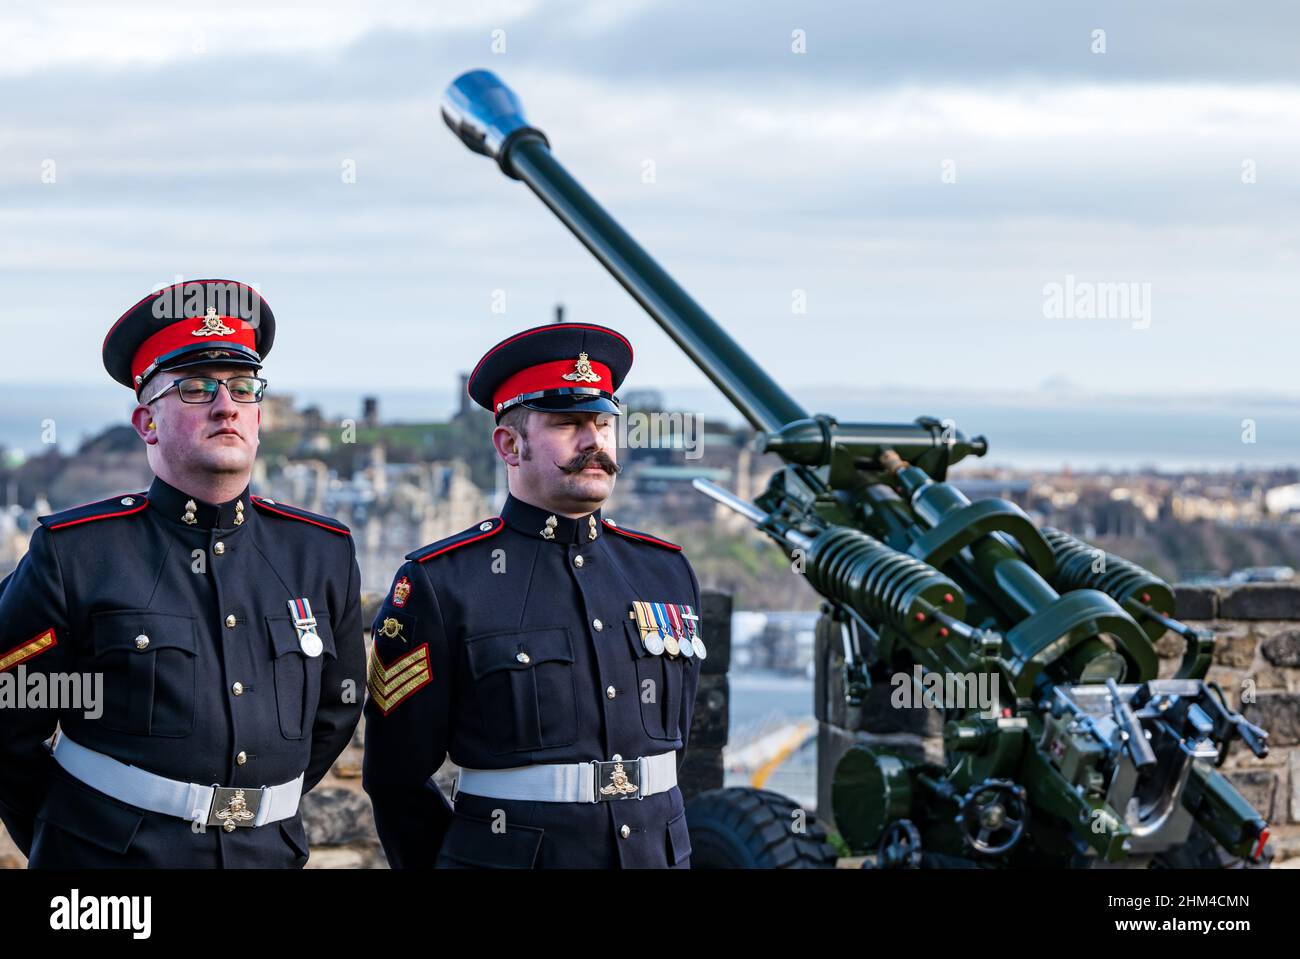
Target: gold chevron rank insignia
391, 684
33, 647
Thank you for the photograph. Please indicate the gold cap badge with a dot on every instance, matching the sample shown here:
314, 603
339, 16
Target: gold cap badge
212, 325
582, 371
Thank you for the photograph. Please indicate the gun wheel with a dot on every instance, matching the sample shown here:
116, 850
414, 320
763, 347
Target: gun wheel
743, 828
993, 816
900, 846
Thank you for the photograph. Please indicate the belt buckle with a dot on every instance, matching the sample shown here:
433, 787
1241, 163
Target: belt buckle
617, 779
233, 807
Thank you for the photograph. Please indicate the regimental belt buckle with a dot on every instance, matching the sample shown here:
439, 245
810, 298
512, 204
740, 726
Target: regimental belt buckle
233, 807
617, 780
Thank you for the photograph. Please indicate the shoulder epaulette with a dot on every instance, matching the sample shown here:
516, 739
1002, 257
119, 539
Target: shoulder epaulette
643, 537
105, 509
489, 527
302, 515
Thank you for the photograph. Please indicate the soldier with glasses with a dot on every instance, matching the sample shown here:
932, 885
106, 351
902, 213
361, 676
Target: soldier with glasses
226, 628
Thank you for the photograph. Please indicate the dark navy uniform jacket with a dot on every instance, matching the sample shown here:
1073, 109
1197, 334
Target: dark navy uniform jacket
211, 597
509, 649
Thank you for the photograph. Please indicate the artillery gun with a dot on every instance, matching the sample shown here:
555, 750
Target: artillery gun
1080, 756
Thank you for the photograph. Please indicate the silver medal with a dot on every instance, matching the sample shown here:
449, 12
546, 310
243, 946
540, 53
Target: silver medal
654, 644
311, 644
688, 648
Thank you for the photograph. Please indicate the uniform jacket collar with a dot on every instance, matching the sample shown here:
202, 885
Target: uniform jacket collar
179, 507
534, 521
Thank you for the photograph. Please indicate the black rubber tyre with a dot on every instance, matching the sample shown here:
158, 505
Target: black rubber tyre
742, 828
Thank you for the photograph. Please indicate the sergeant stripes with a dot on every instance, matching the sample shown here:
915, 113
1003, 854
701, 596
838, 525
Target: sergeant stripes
391, 684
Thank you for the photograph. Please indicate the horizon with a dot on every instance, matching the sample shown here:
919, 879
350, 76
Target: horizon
1074, 431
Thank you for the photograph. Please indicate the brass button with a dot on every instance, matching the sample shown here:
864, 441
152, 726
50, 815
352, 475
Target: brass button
141, 641
228, 826
218, 547
230, 621
625, 831
611, 692
237, 689
128, 501
484, 526
241, 758
598, 625
577, 561
523, 658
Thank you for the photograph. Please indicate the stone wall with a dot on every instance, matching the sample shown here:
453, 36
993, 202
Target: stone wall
1256, 662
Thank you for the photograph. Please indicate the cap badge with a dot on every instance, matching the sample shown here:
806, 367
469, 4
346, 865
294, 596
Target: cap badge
582, 371
212, 325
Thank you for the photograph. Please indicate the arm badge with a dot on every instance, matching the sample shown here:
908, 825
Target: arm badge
401, 592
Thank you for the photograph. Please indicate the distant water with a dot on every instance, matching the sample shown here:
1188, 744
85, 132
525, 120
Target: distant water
760, 700
1024, 431
759, 696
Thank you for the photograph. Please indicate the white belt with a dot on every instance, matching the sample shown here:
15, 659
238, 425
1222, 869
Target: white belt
225, 806
574, 782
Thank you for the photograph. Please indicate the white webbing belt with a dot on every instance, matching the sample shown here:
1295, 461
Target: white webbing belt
564, 782
171, 797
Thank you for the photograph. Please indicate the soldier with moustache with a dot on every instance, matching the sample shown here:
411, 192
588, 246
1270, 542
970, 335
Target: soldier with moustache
551, 652
226, 627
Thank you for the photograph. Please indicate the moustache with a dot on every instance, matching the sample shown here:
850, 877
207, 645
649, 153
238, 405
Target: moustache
596, 458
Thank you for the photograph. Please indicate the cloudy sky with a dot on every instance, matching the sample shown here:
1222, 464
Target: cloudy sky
922, 172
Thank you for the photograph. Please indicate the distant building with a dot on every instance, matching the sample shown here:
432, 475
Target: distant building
777, 641
1283, 500
466, 404
278, 412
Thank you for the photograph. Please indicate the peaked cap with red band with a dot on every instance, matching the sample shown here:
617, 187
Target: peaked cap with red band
194, 323
554, 368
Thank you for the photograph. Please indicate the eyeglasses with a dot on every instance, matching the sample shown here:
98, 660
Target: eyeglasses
203, 389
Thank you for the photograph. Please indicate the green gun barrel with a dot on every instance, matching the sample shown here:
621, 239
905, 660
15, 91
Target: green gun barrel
486, 115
